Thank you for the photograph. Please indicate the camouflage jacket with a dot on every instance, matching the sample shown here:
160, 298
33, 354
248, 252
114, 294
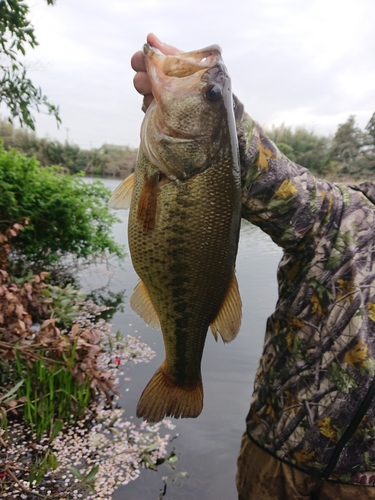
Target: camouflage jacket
313, 402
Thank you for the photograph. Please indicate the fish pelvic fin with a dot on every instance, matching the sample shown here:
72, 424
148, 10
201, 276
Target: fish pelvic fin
162, 397
122, 195
147, 203
228, 321
141, 303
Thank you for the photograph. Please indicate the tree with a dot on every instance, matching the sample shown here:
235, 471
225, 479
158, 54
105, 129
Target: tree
370, 128
301, 146
349, 152
17, 91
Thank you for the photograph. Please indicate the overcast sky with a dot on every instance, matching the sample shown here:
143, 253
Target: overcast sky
302, 62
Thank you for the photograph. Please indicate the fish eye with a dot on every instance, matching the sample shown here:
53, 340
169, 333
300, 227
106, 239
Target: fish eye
213, 93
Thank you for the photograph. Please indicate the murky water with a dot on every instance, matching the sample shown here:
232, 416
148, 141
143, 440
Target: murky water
207, 447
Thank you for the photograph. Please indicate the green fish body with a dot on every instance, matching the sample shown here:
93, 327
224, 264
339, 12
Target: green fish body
184, 223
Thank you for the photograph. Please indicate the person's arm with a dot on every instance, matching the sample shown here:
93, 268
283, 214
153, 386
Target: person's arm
284, 199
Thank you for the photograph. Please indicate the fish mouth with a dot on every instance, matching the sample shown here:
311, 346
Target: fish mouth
179, 73
185, 64
189, 66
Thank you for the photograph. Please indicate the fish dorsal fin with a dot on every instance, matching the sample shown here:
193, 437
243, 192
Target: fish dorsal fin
122, 195
141, 303
147, 203
228, 321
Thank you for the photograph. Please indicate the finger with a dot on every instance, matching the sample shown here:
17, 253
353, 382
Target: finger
167, 50
138, 61
142, 83
147, 100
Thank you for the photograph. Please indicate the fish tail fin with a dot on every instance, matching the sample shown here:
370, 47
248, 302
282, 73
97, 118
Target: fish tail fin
162, 397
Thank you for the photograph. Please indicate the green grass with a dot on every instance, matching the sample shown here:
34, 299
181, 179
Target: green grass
51, 392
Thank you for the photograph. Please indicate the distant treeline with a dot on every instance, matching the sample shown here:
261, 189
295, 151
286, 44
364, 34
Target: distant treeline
108, 160
349, 154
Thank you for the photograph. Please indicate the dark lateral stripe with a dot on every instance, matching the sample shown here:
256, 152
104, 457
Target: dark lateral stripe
364, 406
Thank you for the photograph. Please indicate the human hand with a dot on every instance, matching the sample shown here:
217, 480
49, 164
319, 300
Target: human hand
141, 80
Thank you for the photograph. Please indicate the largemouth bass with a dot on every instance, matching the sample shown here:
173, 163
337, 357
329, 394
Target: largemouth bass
185, 209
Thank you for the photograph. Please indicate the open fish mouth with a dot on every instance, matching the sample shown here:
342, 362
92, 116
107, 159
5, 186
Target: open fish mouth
188, 68
185, 64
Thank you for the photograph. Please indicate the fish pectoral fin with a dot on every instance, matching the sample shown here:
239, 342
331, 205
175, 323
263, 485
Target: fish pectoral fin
141, 303
228, 321
163, 397
122, 195
147, 202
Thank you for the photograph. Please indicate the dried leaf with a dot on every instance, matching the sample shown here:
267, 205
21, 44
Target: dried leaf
75, 330
11, 232
47, 322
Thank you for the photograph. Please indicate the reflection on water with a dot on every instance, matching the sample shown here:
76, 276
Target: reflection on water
253, 239
207, 446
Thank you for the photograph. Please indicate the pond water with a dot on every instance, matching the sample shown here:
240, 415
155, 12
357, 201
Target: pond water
207, 446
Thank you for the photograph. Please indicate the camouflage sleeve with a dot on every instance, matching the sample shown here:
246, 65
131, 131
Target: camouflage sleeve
284, 199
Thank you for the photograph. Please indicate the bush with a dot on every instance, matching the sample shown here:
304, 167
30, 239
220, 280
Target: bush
45, 372
66, 216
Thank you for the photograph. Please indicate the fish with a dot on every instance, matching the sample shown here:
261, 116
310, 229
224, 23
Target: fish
184, 222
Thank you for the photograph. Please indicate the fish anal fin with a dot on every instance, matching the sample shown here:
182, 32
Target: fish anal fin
147, 203
122, 195
162, 397
228, 320
141, 303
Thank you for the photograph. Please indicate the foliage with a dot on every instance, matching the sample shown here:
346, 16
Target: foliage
50, 392
116, 161
350, 150
350, 154
69, 156
66, 216
370, 129
54, 371
301, 146
17, 91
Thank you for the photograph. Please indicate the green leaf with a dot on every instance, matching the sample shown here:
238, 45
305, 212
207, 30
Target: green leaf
56, 429
91, 475
76, 473
12, 393
52, 461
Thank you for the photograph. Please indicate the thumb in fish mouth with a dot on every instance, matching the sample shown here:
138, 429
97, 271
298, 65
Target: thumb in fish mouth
141, 79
